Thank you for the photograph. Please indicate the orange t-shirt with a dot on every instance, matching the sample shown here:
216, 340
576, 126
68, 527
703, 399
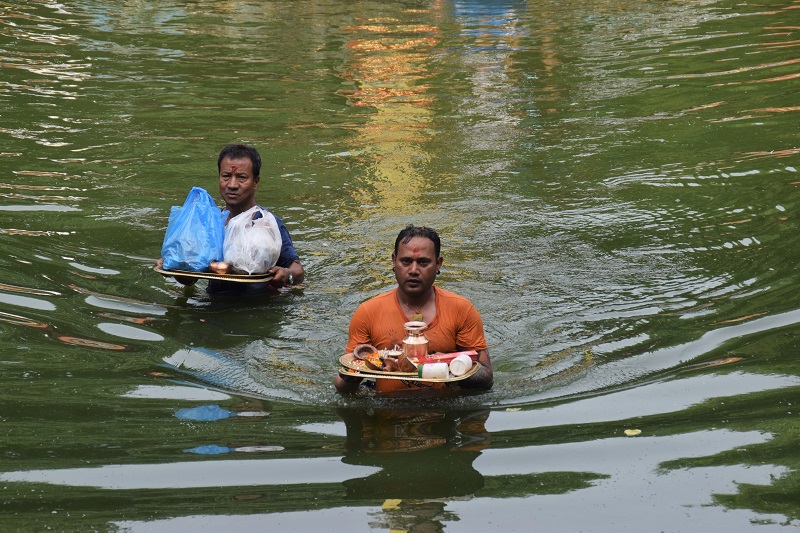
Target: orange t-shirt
379, 322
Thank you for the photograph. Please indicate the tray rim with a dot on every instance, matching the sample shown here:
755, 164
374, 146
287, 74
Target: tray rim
404, 376
239, 278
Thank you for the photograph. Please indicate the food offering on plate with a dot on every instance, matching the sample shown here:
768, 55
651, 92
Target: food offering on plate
440, 357
383, 360
220, 267
444, 365
369, 362
370, 355
398, 362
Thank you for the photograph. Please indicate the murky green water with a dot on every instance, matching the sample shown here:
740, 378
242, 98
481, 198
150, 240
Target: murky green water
615, 184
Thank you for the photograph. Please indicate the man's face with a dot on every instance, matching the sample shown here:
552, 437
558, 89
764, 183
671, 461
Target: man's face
237, 185
415, 266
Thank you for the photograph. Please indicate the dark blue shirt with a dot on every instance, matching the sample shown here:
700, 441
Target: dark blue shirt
288, 253
287, 257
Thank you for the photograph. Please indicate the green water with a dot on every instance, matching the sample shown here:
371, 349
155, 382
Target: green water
615, 184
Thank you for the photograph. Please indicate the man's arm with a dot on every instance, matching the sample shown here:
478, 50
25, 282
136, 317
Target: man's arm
346, 383
282, 271
281, 275
358, 332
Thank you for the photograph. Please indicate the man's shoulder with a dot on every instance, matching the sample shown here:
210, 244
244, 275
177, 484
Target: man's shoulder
373, 307
450, 295
277, 218
380, 299
376, 303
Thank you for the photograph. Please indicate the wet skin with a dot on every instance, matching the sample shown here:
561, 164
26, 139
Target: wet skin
415, 268
237, 184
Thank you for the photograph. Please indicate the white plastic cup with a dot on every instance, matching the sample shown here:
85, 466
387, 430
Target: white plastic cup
433, 371
460, 365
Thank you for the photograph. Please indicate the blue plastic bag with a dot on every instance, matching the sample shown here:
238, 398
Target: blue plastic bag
195, 233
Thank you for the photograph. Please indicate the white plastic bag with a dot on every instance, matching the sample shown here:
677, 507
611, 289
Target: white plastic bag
252, 241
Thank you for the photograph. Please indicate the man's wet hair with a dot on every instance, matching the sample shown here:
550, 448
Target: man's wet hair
412, 231
241, 151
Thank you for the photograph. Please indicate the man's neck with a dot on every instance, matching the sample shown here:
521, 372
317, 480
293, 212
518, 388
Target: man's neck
235, 211
417, 301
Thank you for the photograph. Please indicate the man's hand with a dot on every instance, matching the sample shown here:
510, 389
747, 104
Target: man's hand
346, 383
280, 276
183, 280
483, 379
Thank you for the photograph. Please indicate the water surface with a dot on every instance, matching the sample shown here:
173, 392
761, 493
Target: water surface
615, 186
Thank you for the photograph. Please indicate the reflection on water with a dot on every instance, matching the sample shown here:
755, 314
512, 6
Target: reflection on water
176, 393
615, 184
390, 66
89, 343
228, 373
407, 445
642, 401
196, 474
21, 321
24, 301
626, 466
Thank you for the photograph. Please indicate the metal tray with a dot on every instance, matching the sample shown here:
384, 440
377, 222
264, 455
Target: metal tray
241, 278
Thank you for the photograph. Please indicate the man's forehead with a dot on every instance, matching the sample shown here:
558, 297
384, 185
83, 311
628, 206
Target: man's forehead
241, 164
417, 246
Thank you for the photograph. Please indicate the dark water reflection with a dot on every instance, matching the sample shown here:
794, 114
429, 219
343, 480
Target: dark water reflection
615, 187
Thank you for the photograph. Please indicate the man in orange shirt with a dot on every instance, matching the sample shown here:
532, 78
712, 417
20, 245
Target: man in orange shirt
453, 322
